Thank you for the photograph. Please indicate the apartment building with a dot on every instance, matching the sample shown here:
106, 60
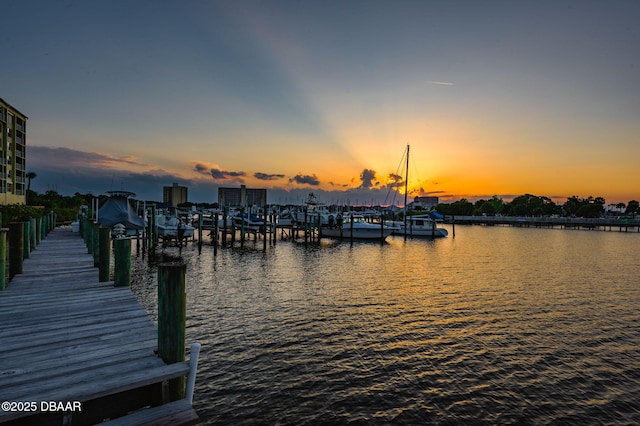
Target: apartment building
13, 154
174, 195
242, 197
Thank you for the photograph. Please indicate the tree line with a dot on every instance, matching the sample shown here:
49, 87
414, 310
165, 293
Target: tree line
536, 206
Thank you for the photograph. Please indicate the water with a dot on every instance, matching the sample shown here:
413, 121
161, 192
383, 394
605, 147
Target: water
495, 326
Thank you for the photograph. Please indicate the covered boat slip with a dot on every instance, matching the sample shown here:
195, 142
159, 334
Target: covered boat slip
77, 351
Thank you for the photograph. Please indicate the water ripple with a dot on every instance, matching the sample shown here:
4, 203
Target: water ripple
496, 326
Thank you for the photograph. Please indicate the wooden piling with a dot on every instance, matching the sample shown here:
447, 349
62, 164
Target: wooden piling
26, 238
16, 248
172, 314
104, 254
32, 233
242, 231
122, 262
351, 230
224, 226
38, 230
200, 231
95, 240
453, 225
3, 258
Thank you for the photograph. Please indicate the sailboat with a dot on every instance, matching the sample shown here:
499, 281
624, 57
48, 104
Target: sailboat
422, 225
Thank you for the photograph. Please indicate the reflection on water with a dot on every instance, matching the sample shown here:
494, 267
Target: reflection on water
496, 325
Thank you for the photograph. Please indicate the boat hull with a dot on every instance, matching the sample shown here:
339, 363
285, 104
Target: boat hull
428, 233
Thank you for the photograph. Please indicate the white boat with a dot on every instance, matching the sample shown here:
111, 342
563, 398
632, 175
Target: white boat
285, 218
354, 226
424, 225
314, 212
168, 226
249, 221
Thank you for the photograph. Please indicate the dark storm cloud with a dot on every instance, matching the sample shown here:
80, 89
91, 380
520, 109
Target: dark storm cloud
201, 168
395, 180
267, 176
305, 179
367, 177
218, 174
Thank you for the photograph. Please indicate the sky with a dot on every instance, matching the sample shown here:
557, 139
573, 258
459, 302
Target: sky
493, 97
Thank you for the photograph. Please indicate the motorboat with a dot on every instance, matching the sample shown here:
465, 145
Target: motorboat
117, 214
169, 226
249, 221
354, 226
424, 225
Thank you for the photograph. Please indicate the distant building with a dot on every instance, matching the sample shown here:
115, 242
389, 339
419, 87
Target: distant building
242, 197
424, 203
13, 155
174, 195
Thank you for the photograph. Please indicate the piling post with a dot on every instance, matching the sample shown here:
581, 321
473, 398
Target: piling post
95, 238
351, 230
214, 222
264, 230
306, 226
224, 226
433, 227
89, 239
200, 231
172, 310
3, 258
242, 236
453, 225
39, 230
16, 248
32, 234
104, 254
152, 228
122, 262
26, 238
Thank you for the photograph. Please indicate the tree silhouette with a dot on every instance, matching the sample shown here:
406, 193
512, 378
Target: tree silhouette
29, 175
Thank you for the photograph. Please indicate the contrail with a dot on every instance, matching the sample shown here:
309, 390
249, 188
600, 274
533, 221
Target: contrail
442, 83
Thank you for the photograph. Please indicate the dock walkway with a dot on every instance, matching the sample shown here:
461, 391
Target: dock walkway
74, 350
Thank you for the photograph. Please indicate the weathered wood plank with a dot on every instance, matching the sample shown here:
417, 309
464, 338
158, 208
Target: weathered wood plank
68, 353
177, 412
107, 313
85, 391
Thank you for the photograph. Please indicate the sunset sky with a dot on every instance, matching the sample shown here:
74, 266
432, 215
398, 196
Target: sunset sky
494, 97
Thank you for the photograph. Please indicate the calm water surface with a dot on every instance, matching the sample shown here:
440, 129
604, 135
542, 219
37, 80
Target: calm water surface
495, 326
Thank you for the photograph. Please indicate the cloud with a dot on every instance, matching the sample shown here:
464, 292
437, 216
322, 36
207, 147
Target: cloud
440, 83
266, 176
305, 179
67, 158
367, 176
218, 174
201, 168
394, 180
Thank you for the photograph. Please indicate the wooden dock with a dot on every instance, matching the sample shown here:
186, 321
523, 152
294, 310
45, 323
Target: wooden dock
605, 224
74, 350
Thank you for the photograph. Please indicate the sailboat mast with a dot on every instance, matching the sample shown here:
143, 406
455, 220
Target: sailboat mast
406, 190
